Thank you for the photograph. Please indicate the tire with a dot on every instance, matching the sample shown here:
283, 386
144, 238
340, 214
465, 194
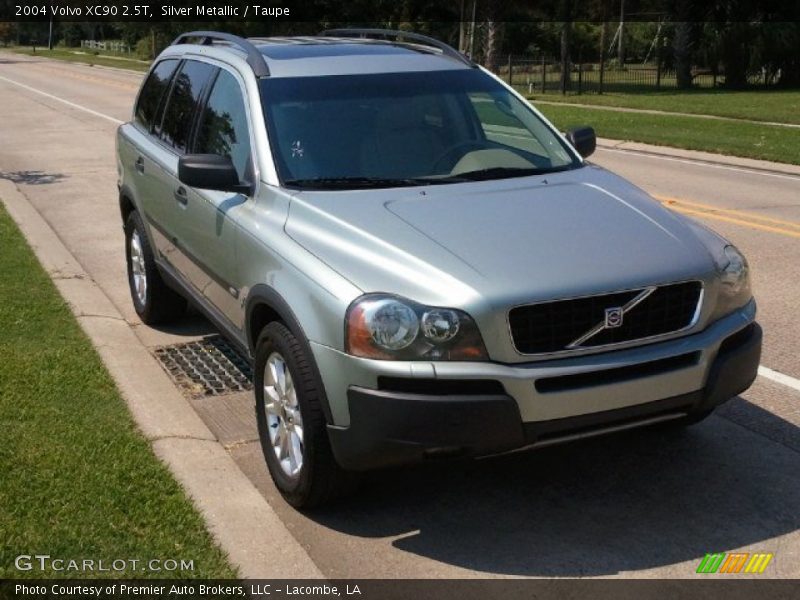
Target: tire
154, 301
307, 475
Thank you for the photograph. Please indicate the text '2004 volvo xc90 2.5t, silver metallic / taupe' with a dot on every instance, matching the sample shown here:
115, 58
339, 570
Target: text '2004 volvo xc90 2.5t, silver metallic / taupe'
417, 263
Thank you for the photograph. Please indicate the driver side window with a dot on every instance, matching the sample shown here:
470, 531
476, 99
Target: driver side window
223, 128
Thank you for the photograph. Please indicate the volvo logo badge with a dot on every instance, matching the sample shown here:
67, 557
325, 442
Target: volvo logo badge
614, 317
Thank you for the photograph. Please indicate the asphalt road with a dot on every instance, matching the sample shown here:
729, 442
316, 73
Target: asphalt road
646, 503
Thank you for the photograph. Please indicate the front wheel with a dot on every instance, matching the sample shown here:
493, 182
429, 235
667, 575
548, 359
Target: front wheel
291, 424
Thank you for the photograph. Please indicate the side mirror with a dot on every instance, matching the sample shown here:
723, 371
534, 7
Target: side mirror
583, 139
211, 172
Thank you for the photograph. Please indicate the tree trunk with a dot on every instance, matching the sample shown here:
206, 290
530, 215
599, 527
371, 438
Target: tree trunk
494, 35
491, 50
566, 63
462, 29
735, 56
682, 49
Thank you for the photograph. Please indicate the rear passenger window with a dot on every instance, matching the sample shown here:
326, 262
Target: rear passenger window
223, 127
152, 93
181, 107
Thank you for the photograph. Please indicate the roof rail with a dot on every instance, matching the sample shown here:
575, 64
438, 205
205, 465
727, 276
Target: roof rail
254, 58
398, 35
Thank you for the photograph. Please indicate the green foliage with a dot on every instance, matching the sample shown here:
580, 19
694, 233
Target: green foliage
8, 32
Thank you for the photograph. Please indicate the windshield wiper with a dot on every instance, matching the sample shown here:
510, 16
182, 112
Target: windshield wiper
499, 173
346, 183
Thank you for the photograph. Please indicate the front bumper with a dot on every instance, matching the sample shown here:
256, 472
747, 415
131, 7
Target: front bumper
390, 427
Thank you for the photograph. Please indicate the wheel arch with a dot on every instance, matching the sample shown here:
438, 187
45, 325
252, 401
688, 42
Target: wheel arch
126, 203
265, 305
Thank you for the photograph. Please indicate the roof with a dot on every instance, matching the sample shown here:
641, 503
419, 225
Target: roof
317, 56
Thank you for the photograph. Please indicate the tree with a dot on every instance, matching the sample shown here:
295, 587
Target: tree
8, 32
566, 62
682, 53
494, 34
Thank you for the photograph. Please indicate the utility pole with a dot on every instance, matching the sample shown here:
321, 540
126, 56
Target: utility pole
621, 31
462, 27
472, 30
50, 35
603, 36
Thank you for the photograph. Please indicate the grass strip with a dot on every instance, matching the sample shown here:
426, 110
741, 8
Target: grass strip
102, 60
777, 106
778, 144
78, 479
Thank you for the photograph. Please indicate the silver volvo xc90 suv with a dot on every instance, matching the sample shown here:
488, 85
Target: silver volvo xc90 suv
417, 263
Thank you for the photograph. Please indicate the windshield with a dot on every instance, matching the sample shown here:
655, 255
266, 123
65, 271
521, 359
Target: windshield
395, 129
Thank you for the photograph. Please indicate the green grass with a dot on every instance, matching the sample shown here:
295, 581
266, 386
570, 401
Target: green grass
76, 478
779, 144
103, 60
779, 106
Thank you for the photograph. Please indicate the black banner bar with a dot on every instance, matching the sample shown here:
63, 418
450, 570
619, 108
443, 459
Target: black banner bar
356, 12
729, 587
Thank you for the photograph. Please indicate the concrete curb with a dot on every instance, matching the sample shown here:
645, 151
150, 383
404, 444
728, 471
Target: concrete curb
240, 519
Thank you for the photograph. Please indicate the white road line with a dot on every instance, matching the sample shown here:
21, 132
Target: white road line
786, 380
67, 102
699, 162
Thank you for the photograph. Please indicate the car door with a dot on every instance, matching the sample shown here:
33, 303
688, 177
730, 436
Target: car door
141, 153
209, 230
169, 206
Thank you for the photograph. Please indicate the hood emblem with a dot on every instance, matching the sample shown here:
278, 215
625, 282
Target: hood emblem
614, 317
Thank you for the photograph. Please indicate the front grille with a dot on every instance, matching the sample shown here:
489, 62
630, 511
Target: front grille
554, 326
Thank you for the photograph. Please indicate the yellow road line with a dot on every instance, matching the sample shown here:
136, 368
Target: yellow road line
731, 211
727, 219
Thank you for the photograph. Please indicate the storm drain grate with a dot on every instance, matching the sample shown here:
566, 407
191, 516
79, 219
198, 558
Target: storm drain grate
207, 367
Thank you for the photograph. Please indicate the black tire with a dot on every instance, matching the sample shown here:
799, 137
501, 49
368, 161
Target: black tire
320, 479
161, 304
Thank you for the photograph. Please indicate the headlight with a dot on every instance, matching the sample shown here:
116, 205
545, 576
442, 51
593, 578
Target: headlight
734, 275
391, 328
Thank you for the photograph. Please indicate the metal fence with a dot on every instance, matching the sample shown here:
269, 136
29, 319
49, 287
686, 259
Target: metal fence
109, 47
543, 75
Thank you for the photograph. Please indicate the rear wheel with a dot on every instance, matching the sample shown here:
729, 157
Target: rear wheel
153, 300
291, 423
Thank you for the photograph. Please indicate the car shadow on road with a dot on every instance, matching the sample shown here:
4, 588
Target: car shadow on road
32, 177
641, 500
191, 325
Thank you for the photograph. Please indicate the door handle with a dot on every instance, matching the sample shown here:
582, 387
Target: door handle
181, 196
139, 164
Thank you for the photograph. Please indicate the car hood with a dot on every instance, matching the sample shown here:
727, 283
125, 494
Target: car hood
507, 242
